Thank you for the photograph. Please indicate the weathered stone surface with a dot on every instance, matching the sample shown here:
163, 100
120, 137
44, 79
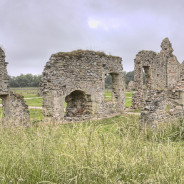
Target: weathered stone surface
14, 108
78, 78
161, 70
161, 98
4, 82
131, 86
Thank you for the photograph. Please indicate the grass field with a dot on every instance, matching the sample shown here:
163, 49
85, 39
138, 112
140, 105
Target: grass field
100, 152
108, 151
37, 102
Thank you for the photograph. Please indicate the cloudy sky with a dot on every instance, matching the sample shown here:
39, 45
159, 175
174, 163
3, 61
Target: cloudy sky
31, 30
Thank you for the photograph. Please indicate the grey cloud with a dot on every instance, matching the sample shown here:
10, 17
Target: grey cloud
30, 31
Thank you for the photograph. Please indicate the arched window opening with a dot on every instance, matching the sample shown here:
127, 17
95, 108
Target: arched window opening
108, 87
147, 76
78, 103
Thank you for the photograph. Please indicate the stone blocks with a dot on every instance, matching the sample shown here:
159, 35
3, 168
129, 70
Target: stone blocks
73, 86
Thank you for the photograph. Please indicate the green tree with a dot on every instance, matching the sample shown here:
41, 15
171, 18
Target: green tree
27, 80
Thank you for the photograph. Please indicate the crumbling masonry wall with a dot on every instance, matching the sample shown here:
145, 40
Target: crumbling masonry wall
73, 86
162, 71
14, 108
161, 98
4, 81
131, 86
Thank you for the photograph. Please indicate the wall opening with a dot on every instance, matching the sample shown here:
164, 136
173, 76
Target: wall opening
108, 87
147, 76
112, 94
78, 103
2, 113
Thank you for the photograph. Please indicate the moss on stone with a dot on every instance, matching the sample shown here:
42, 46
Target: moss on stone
80, 53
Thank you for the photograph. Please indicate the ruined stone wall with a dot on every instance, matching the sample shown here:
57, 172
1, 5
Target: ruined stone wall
162, 99
4, 82
162, 106
182, 71
78, 78
131, 86
173, 72
162, 70
15, 111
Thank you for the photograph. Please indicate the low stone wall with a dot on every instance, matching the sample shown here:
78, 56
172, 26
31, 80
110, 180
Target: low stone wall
15, 110
162, 106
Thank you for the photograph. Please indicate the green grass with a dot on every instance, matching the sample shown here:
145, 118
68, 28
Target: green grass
36, 115
26, 92
30, 96
128, 94
34, 102
113, 151
128, 99
108, 95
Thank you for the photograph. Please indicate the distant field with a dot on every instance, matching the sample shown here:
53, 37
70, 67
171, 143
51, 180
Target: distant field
26, 92
36, 102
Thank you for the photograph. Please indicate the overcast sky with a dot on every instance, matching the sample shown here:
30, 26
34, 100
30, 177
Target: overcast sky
32, 30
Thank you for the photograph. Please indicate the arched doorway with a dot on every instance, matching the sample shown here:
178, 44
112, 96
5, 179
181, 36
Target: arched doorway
78, 104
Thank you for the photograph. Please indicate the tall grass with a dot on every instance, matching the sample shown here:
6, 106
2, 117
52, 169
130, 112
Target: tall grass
113, 150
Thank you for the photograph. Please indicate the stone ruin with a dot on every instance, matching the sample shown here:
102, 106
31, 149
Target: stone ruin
15, 111
162, 96
131, 86
73, 86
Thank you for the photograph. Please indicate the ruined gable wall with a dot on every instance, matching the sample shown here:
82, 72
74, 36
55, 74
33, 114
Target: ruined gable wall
144, 65
166, 102
173, 66
164, 72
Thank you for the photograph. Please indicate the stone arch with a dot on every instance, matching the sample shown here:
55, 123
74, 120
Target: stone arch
78, 104
80, 70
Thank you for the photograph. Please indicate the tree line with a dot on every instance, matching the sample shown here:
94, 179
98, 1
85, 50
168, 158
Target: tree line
30, 80
27, 80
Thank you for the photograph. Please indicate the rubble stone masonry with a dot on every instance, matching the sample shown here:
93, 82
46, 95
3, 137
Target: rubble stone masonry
15, 111
160, 96
73, 86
